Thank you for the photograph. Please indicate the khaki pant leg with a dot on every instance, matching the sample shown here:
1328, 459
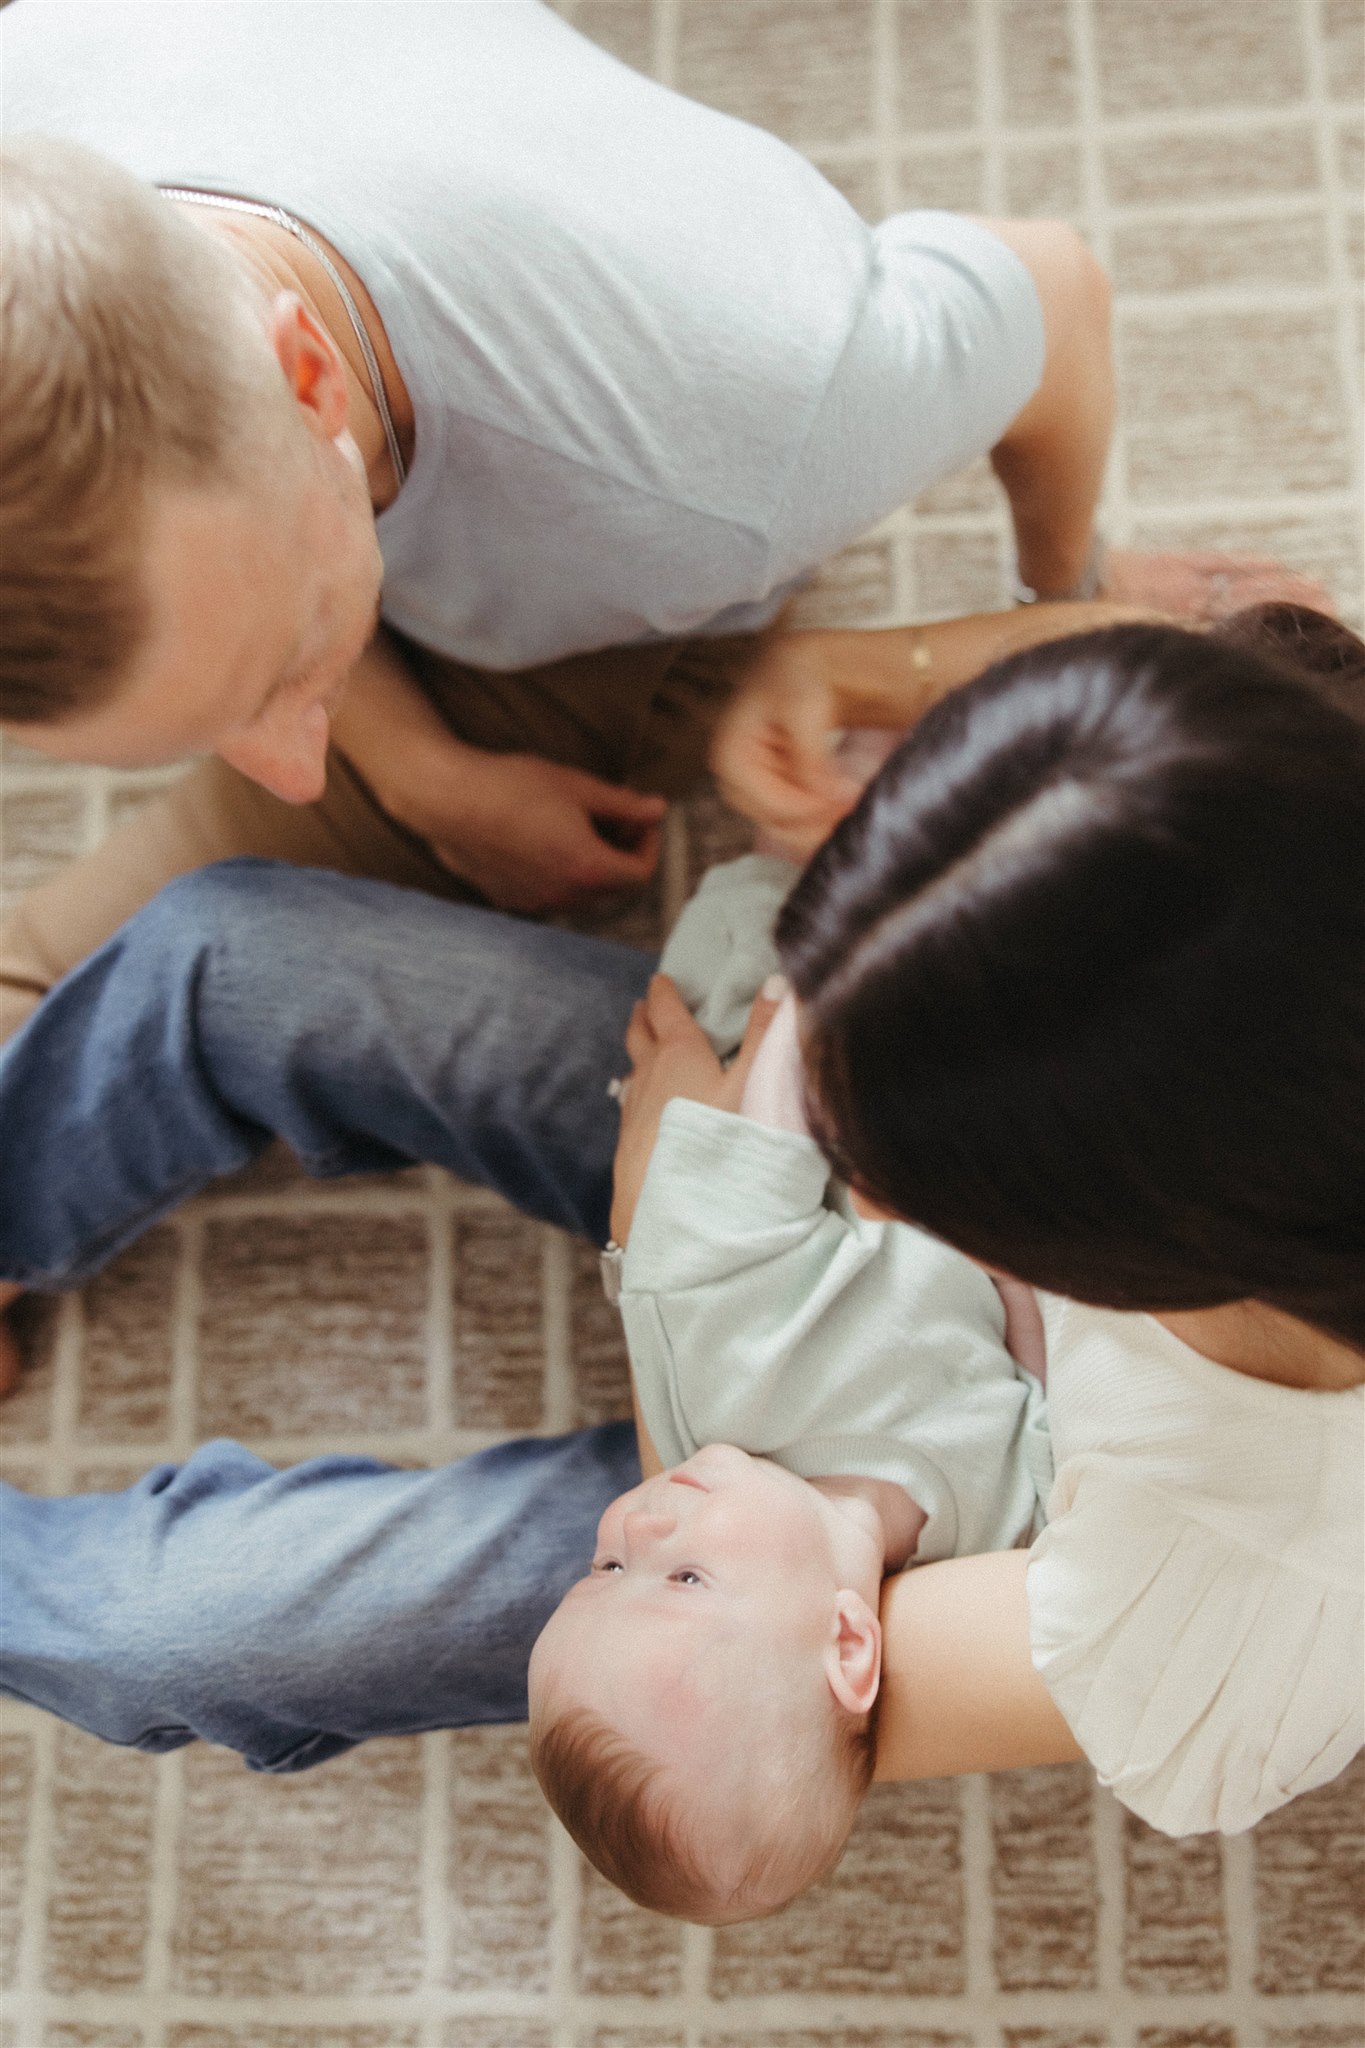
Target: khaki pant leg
213, 814
637, 715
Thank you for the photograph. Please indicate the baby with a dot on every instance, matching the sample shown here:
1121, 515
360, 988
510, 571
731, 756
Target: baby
703, 1703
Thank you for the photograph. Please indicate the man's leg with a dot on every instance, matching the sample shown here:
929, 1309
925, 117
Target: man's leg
213, 814
640, 715
368, 1026
289, 1615
637, 715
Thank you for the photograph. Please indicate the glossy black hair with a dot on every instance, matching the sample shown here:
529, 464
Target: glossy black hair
1083, 974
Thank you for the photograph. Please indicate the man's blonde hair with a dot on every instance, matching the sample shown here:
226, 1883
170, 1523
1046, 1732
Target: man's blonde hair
638, 1828
131, 353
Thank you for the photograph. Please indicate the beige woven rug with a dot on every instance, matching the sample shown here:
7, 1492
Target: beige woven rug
414, 1894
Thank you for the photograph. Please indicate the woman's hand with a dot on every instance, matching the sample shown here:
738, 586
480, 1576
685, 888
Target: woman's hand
772, 750
671, 1055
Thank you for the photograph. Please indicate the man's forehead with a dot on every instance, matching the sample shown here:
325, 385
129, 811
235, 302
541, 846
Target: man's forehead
219, 610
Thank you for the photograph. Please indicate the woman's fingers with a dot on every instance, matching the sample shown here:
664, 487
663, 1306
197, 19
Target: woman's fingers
667, 1014
640, 1039
765, 1008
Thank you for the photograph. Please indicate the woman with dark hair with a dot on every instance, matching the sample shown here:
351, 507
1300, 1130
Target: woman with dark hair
1081, 984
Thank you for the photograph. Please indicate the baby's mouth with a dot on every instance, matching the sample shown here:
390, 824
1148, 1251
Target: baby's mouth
683, 1478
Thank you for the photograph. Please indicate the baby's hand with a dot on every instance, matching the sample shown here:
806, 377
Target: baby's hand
670, 1055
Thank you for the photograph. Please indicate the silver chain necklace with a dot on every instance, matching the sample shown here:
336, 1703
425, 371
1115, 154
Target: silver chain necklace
296, 228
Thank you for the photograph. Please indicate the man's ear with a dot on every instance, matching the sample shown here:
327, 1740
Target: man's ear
853, 1655
312, 365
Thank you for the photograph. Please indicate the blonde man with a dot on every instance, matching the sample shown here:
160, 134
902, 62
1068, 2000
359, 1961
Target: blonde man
590, 374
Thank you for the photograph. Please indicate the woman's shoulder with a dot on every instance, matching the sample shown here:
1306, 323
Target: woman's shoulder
1209, 1669
1255, 1459
1195, 1599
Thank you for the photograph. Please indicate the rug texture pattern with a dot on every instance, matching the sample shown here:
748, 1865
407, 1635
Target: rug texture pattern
415, 1894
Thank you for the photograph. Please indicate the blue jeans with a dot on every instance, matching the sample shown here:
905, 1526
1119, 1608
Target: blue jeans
289, 1615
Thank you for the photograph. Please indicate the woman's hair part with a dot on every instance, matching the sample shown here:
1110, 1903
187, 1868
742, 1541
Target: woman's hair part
1082, 976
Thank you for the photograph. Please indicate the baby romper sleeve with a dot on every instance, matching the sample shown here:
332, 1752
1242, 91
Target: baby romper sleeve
760, 1312
720, 952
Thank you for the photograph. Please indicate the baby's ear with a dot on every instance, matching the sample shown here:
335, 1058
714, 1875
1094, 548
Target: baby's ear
853, 1655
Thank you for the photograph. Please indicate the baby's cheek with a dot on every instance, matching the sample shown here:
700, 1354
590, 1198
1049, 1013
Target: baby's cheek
547, 1661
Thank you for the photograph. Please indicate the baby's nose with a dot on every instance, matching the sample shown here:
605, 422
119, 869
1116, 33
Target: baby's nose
645, 1526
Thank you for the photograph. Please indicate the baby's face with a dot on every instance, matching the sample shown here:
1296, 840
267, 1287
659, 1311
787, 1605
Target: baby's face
707, 1580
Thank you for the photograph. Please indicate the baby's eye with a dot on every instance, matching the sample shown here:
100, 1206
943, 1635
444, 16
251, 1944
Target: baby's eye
686, 1577
607, 1564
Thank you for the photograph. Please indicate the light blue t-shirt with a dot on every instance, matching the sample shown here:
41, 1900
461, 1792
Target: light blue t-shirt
659, 366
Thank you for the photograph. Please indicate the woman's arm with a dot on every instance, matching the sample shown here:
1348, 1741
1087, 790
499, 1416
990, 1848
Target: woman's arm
771, 749
959, 1691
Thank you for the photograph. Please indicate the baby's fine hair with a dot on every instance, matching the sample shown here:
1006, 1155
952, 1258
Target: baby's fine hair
1082, 975
633, 1823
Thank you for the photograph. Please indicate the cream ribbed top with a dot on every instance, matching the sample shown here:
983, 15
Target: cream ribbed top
1196, 1597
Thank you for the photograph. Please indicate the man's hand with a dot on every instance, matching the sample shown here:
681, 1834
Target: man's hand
534, 836
671, 1055
531, 834
1204, 585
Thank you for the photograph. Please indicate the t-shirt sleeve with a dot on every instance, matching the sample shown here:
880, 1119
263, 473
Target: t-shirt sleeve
946, 350
1207, 1683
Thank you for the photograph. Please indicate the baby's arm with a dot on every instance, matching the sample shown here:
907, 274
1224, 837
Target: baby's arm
758, 1315
721, 951
671, 1056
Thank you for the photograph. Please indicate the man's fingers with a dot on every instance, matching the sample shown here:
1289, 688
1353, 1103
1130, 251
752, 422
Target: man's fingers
614, 799
1203, 584
1212, 558
593, 867
622, 867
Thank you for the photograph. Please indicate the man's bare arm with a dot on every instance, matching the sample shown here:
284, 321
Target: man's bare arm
524, 831
1051, 457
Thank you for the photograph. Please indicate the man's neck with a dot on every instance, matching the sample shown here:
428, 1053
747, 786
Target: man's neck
280, 262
